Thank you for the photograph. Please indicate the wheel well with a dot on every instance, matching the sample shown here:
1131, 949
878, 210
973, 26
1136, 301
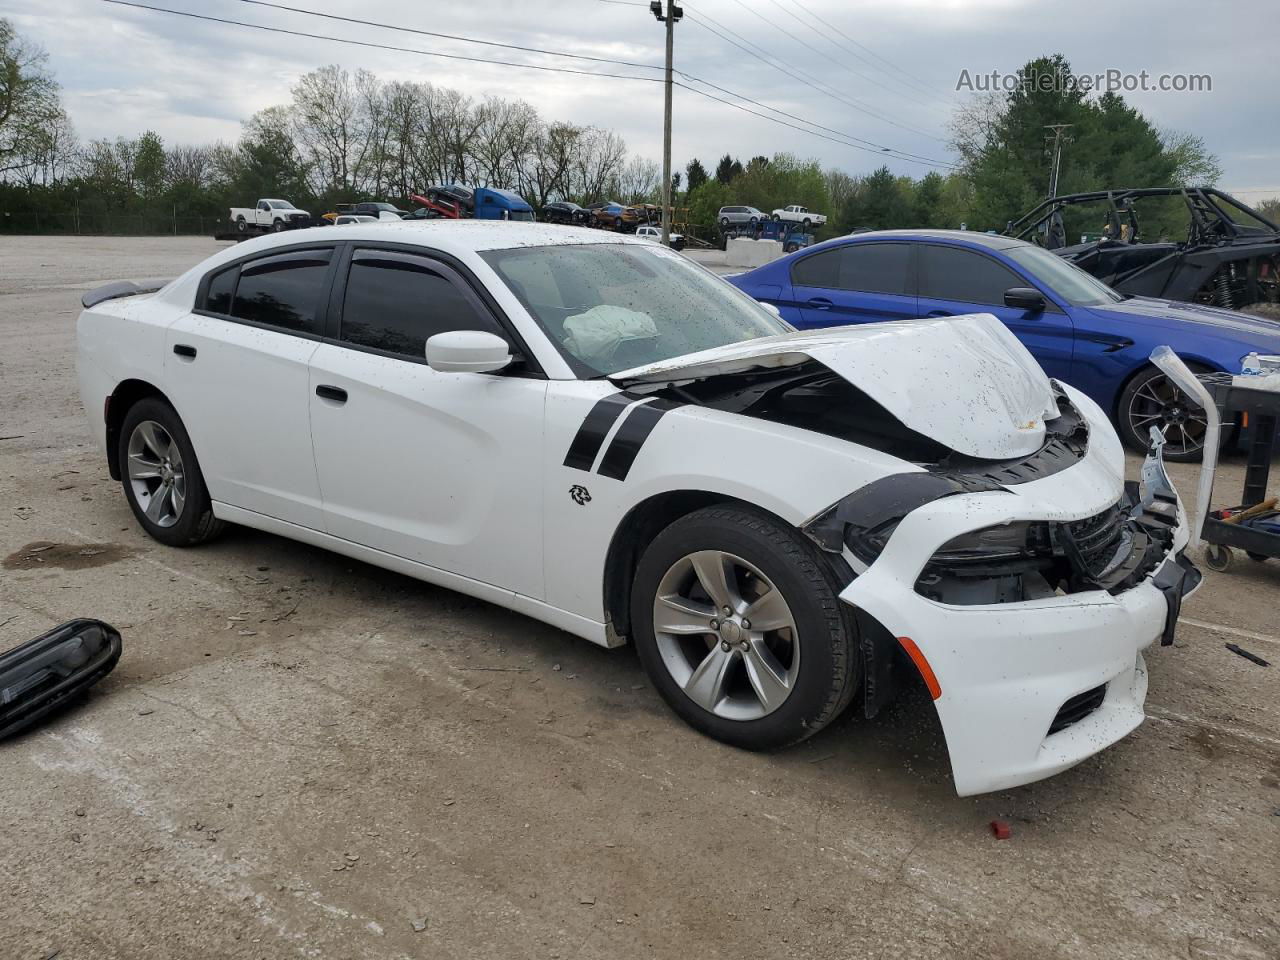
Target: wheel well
125, 395
1196, 364
638, 528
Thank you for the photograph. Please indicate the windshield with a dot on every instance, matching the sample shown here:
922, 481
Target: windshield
524, 216
280, 205
1065, 279
612, 306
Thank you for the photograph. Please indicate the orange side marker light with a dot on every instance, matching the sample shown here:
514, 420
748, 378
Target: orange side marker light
926, 671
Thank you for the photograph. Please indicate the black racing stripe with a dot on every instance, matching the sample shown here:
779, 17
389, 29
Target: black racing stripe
585, 446
631, 437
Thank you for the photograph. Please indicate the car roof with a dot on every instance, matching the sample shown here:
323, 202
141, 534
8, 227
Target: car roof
974, 237
455, 237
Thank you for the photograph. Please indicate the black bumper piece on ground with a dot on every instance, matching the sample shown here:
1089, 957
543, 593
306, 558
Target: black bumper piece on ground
44, 674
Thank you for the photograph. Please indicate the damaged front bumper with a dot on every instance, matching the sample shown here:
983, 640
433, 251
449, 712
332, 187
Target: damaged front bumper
1046, 670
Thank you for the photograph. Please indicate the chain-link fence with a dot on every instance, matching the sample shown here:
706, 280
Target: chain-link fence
111, 224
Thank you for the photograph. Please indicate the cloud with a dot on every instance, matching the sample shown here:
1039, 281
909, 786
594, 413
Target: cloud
125, 70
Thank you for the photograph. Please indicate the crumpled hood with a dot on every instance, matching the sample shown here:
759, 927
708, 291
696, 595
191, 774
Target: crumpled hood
965, 382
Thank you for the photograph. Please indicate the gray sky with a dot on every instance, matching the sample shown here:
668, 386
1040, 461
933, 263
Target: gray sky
892, 64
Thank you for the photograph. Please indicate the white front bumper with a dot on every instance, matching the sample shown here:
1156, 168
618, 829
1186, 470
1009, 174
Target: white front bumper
1005, 670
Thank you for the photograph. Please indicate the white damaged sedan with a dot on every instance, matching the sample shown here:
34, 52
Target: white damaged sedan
598, 433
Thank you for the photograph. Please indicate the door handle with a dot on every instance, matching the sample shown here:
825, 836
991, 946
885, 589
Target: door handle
327, 392
185, 350
939, 313
818, 303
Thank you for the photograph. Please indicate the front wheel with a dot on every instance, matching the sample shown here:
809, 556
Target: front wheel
807, 224
277, 226
737, 623
1152, 400
724, 221
161, 476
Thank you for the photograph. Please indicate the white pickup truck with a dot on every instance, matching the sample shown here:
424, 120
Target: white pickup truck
798, 214
274, 215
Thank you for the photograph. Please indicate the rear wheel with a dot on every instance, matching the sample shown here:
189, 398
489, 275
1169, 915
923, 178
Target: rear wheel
242, 225
738, 625
161, 476
1152, 400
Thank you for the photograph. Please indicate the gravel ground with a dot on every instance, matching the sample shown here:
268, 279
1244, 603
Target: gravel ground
303, 755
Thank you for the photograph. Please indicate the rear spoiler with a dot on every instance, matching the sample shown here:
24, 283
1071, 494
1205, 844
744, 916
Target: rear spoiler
114, 291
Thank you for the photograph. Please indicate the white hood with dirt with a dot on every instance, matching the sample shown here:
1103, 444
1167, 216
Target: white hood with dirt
965, 382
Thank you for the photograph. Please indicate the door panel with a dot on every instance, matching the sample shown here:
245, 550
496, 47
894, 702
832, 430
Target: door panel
956, 280
441, 468
243, 400
854, 283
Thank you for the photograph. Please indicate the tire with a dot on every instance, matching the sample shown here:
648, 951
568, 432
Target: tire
147, 426
277, 226
1151, 400
724, 221
242, 225
776, 218
754, 221
807, 224
812, 663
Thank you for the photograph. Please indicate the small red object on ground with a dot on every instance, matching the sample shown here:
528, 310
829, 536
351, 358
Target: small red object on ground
1001, 830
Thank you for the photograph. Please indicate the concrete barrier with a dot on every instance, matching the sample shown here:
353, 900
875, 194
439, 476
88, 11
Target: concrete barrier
743, 252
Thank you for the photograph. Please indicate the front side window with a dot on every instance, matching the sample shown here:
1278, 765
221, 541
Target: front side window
284, 290
395, 301
612, 306
1065, 279
953, 273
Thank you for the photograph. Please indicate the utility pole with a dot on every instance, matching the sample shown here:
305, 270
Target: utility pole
670, 18
1055, 167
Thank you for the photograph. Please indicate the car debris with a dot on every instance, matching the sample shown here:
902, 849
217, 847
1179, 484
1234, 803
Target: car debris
1240, 651
42, 675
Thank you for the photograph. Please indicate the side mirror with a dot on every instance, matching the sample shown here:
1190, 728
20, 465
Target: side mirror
467, 351
1024, 298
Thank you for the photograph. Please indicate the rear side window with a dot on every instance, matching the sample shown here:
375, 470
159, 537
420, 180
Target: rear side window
952, 273
395, 301
875, 267
819, 270
221, 288
283, 291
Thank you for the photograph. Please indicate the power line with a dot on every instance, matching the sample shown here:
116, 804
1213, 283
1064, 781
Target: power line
705, 21
901, 154
911, 78
451, 36
873, 147
375, 46
844, 66
804, 43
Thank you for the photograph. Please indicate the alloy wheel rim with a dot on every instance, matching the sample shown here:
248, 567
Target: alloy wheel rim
1159, 403
157, 475
726, 635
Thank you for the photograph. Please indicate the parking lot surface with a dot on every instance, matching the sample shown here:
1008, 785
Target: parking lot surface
301, 755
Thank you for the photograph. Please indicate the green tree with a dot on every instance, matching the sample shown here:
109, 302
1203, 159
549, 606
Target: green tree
695, 174
728, 169
29, 102
149, 165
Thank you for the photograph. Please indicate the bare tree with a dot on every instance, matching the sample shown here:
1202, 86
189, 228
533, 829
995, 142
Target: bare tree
29, 102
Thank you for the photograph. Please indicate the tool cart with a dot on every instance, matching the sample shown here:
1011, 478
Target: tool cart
1254, 525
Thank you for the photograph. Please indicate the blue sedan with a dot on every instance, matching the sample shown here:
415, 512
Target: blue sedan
1081, 331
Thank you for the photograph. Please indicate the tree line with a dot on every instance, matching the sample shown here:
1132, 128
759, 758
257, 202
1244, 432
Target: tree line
347, 135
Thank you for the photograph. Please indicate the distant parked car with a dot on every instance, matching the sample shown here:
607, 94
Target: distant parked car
613, 215
798, 214
729, 216
343, 218
379, 210
649, 232
457, 194
564, 211
273, 215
